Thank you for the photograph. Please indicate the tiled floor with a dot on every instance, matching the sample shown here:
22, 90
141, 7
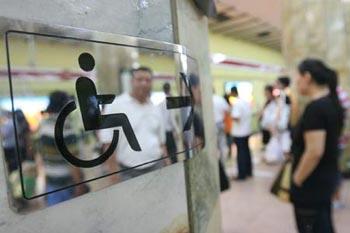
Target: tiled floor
248, 207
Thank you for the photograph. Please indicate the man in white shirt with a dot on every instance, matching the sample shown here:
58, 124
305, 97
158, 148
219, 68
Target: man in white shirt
241, 130
220, 108
145, 119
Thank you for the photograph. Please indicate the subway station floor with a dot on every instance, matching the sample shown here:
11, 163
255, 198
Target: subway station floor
248, 207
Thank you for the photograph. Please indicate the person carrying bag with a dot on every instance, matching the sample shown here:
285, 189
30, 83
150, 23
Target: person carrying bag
281, 186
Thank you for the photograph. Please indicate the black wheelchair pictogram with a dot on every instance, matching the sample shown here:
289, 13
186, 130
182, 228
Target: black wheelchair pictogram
89, 102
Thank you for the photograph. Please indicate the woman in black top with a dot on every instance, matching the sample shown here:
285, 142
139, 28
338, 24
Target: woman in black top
315, 148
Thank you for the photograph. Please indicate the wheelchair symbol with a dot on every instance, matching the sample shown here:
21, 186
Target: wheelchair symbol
89, 102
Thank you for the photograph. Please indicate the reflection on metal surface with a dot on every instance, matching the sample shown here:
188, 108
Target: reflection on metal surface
183, 101
90, 103
138, 110
61, 146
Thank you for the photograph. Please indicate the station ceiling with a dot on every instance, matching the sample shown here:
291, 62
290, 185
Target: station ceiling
256, 21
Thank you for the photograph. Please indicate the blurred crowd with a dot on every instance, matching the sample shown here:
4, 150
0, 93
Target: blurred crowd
303, 125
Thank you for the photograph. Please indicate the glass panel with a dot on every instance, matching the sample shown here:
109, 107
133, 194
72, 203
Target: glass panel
85, 114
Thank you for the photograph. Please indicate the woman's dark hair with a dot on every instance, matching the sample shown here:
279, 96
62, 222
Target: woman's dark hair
57, 100
193, 80
234, 90
227, 98
269, 88
284, 80
323, 75
22, 123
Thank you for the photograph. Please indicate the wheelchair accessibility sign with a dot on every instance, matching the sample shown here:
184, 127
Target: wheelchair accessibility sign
109, 108
89, 102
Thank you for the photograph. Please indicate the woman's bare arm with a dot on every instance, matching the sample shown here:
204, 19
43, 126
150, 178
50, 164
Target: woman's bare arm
315, 142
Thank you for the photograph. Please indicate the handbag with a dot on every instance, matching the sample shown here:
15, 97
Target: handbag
281, 186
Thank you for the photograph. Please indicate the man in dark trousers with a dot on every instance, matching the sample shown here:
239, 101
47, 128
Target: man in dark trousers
241, 114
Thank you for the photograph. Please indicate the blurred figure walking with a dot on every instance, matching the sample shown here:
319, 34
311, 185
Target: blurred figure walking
241, 114
221, 108
228, 124
285, 105
58, 173
171, 127
275, 120
269, 107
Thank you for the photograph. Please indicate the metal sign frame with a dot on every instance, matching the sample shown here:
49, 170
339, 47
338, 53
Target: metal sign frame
63, 32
